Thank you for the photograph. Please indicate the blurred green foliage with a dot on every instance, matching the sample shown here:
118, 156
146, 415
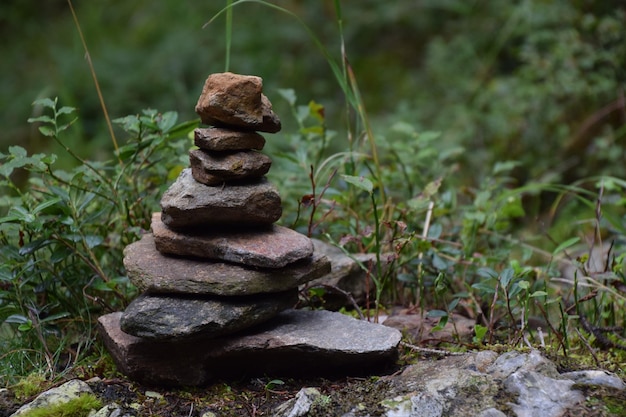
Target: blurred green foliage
540, 82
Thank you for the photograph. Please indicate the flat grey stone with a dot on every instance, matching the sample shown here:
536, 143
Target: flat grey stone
163, 317
595, 377
190, 204
151, 271
236, 101
222, 139
272, 247
216, 168
294, 343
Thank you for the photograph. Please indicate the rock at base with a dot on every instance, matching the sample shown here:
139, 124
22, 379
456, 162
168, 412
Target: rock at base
162, 317
189, 204
294, 343
151, 271
272, 247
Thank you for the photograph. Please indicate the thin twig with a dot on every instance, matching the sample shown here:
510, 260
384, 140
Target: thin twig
431, 352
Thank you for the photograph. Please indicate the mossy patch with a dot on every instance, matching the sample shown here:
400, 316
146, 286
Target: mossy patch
76, 407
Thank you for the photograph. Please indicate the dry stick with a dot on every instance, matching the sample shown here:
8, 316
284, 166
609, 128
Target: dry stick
95, 80
429, 351
558, 335
588, 346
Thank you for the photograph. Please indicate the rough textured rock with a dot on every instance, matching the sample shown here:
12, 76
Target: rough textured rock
163, 317
222, 139
274, 247
151, 271
61, 394
482, 384
595, 377
236, 101
294, 343
189, 204
216, 168
300, 405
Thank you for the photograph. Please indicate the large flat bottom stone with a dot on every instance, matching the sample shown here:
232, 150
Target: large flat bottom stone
294, 343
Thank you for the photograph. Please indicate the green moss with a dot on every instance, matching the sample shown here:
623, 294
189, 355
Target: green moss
30, 385
77, 407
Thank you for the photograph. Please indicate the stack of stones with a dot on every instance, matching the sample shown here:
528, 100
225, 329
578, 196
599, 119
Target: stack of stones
215, 262
218, 276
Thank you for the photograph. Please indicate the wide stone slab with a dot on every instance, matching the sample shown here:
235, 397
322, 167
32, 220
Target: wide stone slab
190, 204
294, 343
216, 168
236, 101
222, 139
164, 317
151, 271
274, 247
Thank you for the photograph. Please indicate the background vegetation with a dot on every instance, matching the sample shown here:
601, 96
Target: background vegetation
475, 146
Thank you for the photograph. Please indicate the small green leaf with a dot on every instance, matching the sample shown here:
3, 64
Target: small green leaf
46, 204
46, 131
66, 110
436, 313
45, 102
361, 183
40, 119
565, 245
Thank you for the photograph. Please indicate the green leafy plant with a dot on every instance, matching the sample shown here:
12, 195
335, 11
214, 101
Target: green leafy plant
63, 237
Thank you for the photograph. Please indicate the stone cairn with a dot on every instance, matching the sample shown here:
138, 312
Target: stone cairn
216, 271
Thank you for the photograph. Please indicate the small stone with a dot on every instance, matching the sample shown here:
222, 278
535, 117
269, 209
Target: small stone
294, 343
300, 405
222, 139
149, 270
236, 101
595, 377
274, 247
216, 168
163, 317
189, 204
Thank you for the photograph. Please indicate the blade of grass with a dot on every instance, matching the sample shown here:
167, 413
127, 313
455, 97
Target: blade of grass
95, 80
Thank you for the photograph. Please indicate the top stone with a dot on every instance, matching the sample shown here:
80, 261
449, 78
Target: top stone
236, 101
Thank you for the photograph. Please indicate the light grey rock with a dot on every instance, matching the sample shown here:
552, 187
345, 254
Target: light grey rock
236, 101
423, 404
540, 395
109, 410
163, 317
189, 204
294, 343
151, 271
595, 377
213, 168
513, 361
452, 386
300, 405
61, 394
271, 247
221, 139
491, 412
